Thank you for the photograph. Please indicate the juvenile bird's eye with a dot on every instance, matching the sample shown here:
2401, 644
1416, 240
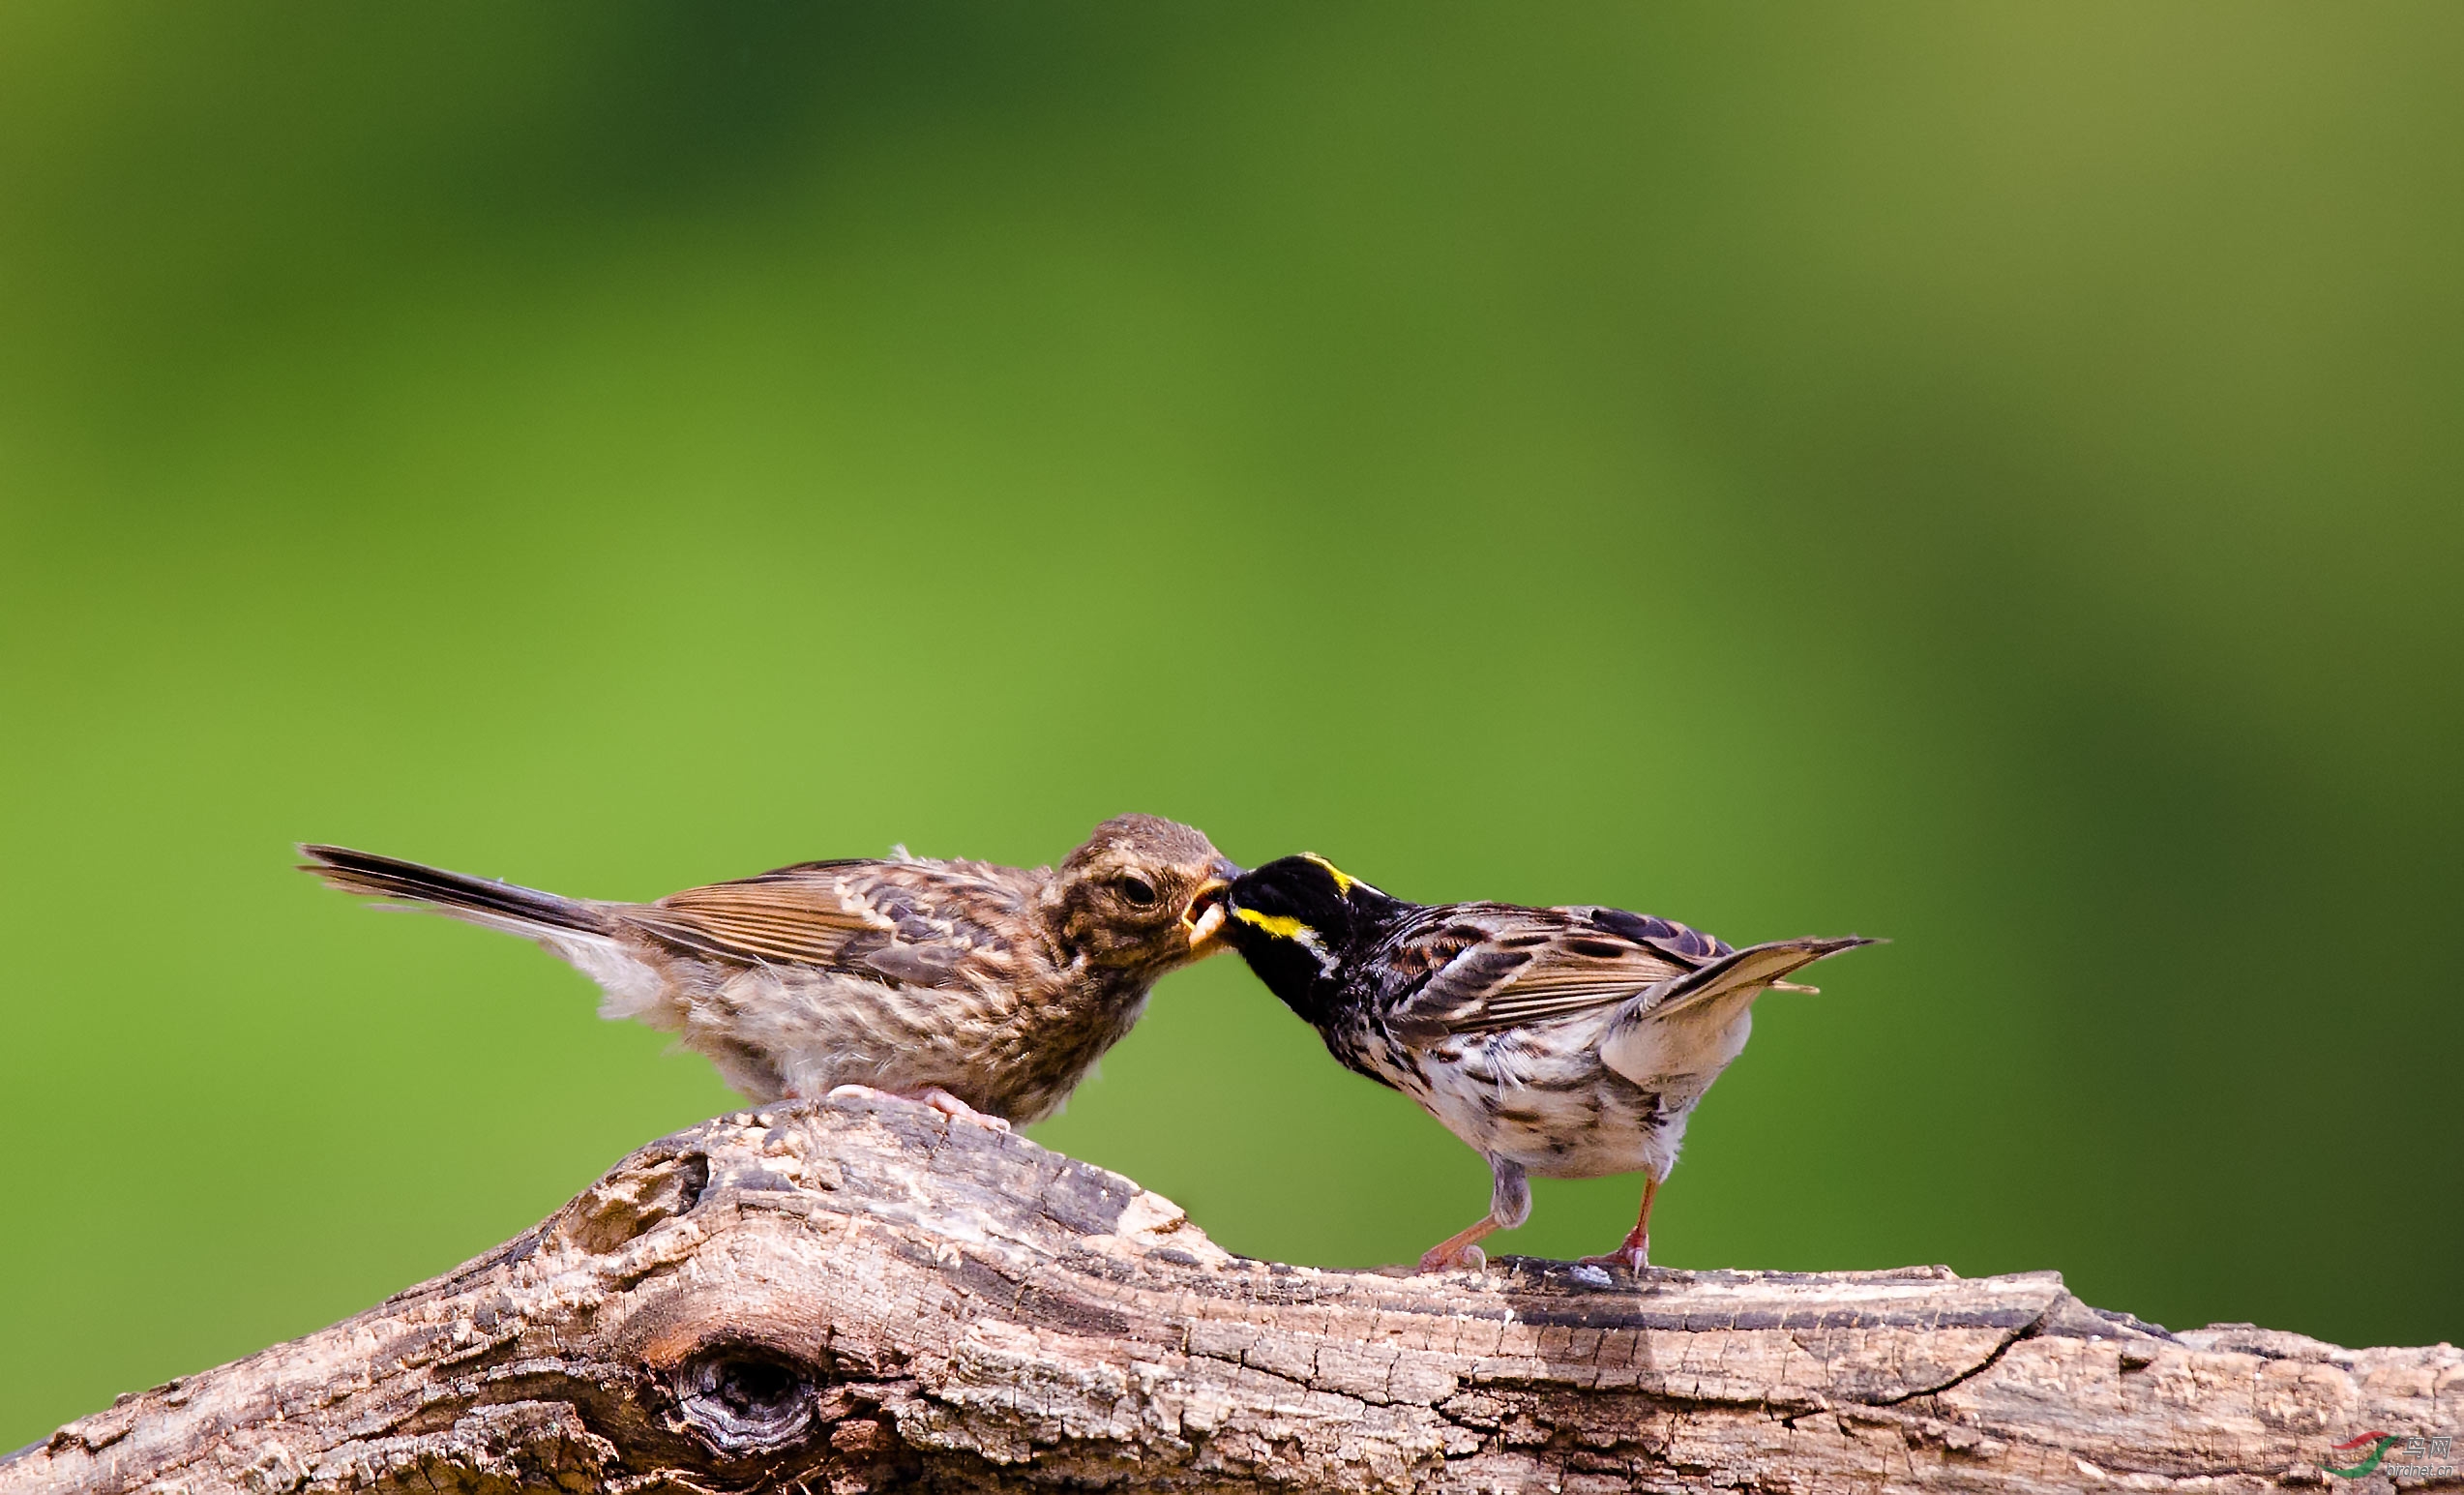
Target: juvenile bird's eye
1135, 891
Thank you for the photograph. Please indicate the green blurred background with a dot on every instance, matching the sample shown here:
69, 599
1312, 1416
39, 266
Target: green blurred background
1982, 475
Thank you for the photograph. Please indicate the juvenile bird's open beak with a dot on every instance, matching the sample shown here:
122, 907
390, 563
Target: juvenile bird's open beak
1205, 920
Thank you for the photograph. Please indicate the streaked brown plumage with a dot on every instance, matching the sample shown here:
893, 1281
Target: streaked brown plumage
975, 987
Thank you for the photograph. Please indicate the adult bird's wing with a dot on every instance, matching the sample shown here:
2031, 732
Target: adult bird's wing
1758, 965
913, 921
1479, 968
1682, 1030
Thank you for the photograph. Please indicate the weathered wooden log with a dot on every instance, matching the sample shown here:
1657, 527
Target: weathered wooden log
856, 1297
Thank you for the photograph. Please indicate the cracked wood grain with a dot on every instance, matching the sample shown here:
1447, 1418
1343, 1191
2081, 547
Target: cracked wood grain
862, 1296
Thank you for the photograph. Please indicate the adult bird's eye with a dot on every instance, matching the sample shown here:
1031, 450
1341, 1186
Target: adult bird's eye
1137, 893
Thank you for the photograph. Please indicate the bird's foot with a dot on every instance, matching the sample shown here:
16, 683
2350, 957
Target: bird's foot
1450, 1257
1460, 1251
1633, 1256
933, 1095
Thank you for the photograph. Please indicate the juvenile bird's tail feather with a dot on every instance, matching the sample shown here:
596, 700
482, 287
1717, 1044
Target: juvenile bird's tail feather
505, 905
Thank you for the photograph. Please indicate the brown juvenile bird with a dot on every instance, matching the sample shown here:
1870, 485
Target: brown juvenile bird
982, 990
1566, 1042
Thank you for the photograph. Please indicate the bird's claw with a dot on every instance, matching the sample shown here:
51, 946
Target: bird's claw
935, 1097
1462, 1258
958, 1110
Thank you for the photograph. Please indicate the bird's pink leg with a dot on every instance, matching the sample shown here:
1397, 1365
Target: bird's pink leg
1635, 1253
1460, 1251
933, 1095
1509, 1205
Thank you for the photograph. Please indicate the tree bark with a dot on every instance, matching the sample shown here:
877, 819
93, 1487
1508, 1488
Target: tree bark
852, 1297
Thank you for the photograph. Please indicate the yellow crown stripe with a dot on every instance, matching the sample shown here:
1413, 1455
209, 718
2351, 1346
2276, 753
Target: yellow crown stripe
1342, 879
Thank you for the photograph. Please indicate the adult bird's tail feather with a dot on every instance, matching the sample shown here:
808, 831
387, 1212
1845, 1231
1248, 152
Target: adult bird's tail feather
1756, 965
506, 905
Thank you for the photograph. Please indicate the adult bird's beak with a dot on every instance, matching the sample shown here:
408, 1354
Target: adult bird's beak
1205, 920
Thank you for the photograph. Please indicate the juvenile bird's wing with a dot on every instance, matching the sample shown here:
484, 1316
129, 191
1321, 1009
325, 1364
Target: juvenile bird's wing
1479, 968
917, 923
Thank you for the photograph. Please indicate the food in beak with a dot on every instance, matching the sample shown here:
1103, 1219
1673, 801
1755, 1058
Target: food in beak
1210, 919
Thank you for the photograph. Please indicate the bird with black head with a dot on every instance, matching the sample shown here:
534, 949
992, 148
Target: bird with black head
1564, 1042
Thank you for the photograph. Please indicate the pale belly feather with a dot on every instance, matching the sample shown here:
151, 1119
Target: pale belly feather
1543, 1098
